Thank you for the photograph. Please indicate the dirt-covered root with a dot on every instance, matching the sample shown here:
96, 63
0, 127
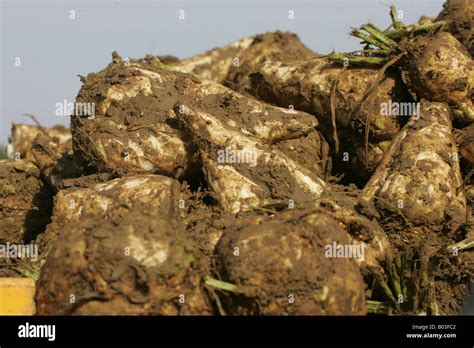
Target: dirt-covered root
55, 159
250, 116
308, 85
126, 263
232, 63
25, 202
22, 135
213, 65
419, 178
460, 13
134, 128
439, 68
292, 132
285, 265
317, 85
149, 193
275, 46
361, 225
243, 171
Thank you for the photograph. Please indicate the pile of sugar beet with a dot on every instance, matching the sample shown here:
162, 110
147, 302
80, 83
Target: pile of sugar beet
259, 178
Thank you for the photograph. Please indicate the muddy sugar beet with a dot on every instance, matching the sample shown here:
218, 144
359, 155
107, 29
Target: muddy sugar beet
364, 232
55, 159
50, 149
213, 65
276, 46
150, 193
22, 137
238, 112
439, 68
134, 123
420, 175
279, 267
310, 85
460, 14
130, 263
242, 186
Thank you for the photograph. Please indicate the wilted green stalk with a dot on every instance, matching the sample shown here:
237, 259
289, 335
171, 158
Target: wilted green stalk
219, 284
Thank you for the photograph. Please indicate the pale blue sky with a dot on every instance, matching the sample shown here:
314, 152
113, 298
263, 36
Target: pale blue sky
54, 49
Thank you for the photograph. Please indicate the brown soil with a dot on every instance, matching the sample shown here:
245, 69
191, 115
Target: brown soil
25, 202
435, 279
124, 263
205, 223
9, 272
